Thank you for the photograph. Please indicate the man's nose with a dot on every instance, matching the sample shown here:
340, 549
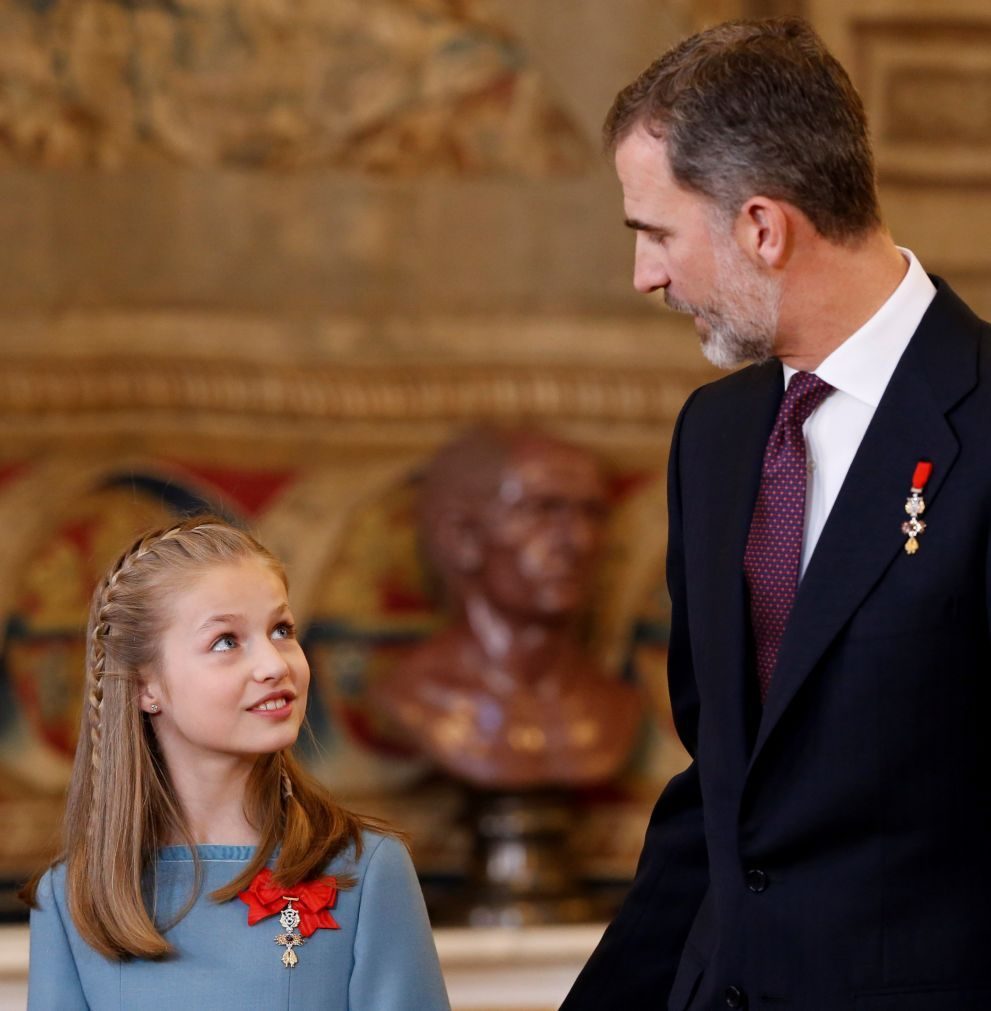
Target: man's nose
649, 270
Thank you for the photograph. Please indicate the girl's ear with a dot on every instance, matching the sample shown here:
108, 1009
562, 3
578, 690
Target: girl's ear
150, 695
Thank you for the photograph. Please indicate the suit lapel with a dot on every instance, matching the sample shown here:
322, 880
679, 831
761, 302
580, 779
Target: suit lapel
862, 535
733, 441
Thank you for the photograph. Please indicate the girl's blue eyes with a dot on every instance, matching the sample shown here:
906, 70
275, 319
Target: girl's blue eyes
225, 643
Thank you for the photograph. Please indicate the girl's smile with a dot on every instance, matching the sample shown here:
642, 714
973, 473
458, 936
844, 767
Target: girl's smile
275, 704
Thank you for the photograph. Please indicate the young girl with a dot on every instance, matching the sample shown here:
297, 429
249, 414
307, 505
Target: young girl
202, 868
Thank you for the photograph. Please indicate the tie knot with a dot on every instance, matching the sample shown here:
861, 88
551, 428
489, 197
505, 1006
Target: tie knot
805, 393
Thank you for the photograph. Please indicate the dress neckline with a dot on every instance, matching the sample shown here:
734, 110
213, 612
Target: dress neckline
212, 851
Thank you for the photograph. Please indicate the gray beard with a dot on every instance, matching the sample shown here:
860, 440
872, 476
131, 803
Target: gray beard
727, 345
743, 327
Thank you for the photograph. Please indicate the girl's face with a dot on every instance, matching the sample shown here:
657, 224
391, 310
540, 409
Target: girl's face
232, 677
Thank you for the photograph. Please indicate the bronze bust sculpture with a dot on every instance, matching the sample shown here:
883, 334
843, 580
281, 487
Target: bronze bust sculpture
506, 697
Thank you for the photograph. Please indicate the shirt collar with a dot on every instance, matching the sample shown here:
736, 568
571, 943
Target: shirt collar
862, 365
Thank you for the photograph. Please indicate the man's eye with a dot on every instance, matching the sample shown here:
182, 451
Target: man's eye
223, 644
284, 630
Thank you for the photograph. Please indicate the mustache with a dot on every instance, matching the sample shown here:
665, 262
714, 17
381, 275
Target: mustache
675, 303
689, 308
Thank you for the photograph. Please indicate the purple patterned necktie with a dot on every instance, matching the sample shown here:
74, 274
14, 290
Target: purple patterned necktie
774, 545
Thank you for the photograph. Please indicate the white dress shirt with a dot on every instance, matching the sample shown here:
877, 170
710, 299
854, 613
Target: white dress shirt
858, 370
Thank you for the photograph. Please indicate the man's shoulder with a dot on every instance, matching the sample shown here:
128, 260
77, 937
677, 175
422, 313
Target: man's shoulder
951, 346
949, 309
753, 381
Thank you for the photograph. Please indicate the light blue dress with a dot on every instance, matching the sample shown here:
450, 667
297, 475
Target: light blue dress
382, 959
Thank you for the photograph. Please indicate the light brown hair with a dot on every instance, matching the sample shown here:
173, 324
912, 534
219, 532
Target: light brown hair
122, 805
759, 107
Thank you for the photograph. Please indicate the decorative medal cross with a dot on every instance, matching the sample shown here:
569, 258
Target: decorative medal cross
313, 900
290, 939
915, 506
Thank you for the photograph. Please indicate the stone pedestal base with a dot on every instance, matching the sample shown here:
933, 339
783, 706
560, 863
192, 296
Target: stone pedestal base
521, 872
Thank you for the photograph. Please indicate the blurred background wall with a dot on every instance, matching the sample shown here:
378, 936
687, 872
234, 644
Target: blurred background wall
265, 256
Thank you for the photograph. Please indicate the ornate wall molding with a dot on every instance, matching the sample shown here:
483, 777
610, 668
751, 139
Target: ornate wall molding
926, 83
195, 388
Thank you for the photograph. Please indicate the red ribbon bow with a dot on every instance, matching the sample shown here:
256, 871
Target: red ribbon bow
311, 898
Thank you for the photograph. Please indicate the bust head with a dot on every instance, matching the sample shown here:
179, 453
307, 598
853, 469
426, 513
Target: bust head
514, 518
507, 696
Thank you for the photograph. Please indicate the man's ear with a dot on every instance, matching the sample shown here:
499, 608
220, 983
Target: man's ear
466, 543
763, 230
459, 539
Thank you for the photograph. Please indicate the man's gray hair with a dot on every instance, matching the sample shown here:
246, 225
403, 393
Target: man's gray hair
759, 107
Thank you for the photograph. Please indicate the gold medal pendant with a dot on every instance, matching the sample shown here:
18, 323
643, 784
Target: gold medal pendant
314, 898
915, 506
290, 938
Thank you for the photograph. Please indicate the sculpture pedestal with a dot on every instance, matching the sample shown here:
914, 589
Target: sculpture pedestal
521, 872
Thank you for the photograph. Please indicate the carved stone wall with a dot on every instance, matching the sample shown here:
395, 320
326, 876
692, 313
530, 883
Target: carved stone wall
924, 70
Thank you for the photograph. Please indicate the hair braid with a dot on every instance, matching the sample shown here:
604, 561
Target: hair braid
94, 701
101, 630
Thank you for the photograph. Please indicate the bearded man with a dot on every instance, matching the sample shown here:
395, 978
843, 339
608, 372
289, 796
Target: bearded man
828, 562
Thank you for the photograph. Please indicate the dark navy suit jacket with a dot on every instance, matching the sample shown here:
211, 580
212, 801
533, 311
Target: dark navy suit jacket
833, 850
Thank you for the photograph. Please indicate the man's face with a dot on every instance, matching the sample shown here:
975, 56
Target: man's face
542, 532
686, 248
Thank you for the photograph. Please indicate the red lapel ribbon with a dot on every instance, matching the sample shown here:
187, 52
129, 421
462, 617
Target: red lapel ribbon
311, 898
